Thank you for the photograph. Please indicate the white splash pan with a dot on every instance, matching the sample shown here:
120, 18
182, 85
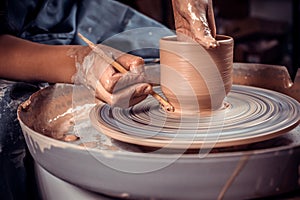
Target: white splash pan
117, 169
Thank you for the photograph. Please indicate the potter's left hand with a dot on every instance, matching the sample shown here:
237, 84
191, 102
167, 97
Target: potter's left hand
109, 85
195, 19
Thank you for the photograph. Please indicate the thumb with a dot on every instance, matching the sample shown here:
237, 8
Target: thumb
131, 95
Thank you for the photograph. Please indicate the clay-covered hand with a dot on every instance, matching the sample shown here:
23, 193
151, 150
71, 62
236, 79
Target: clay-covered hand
195, 19
116, 89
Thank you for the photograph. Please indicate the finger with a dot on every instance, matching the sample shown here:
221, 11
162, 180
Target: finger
202, 28
204, 36
102, 94
113, 81
211, 19
129, 79
109, 78
132, 63
125, 98
192, 16
137, 99
131, 95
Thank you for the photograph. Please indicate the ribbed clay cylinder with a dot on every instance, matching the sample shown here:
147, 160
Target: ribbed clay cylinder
193, 78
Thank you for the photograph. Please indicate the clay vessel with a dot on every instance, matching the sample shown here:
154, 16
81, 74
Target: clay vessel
195, 79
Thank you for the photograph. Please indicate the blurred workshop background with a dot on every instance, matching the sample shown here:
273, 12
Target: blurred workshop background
265, 31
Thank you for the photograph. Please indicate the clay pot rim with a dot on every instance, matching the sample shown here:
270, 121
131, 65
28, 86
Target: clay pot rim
172, 39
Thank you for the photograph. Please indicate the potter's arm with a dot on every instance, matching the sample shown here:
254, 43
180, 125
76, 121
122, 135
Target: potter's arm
28, 61
194, 19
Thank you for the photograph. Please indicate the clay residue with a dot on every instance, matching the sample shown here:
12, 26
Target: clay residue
47, 112
194, 20
58, 128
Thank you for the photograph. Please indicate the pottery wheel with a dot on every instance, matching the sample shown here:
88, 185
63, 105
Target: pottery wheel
249, 115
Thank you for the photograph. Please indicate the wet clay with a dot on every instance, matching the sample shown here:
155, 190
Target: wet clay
54, 120
194, 20
195, 79
70, 138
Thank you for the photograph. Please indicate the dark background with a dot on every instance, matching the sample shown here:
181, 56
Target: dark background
265, 31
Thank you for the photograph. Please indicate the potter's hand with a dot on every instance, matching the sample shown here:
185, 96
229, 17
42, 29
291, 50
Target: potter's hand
195, 19
110, 86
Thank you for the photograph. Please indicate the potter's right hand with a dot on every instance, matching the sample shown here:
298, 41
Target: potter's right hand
109, 85
195, 19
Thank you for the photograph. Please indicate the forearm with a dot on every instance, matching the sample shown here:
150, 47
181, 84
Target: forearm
28, 61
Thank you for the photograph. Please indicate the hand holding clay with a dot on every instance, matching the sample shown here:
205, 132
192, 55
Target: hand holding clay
194, 19
109, 85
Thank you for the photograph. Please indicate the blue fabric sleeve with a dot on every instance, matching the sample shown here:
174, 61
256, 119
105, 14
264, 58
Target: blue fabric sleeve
58, 22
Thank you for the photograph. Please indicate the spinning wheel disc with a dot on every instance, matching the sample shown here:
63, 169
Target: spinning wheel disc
249, 115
